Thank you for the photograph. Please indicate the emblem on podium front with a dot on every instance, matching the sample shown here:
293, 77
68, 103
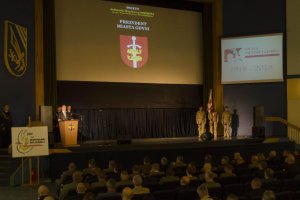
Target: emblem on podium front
71, 127
134, 50
15, 48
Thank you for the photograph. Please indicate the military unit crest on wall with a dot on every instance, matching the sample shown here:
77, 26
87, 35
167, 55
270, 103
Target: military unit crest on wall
15, 48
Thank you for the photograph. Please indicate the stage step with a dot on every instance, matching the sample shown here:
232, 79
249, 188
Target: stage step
7, 166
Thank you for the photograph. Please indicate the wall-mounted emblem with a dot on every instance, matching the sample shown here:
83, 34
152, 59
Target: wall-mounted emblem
15, 48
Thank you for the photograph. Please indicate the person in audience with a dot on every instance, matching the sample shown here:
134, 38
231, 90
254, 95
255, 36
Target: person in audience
224, 161
147, 179
77, 178
269, 175
155, 171
268, 195
184, 183
210, 182
124, 179
101, 177
191, 171
43, 192
80, 192
90, 173
262, 166
136, 170
228, 171
261, 157
111, 190
146, 162
207, 167
232, 197
127, 193
256, 190
203, 192
237, 159
273, 159
254, 162
66, 174
290, 166
138, 188
89, 196
5, 126
111, 166
170, 176
164, 164
179, 162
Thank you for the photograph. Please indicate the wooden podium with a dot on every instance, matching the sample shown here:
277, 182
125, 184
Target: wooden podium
68, 132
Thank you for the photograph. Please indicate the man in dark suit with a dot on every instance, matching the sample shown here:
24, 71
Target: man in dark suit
63, 114
5, 126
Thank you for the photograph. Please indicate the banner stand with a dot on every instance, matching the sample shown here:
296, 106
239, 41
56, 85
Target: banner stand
30, 171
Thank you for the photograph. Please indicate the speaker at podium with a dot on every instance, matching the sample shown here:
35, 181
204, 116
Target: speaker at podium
69, 132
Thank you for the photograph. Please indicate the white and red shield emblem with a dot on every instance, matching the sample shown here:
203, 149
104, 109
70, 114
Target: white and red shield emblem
134, 50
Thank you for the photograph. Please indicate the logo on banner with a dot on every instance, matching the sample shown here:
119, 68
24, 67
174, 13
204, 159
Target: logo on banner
232, 54
23, 144
134, 50
15, 48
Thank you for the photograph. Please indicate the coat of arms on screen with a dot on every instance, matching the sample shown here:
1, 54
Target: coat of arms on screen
134, 50
15, 48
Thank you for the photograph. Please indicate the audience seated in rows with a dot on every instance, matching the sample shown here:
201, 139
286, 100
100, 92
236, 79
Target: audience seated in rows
151, 177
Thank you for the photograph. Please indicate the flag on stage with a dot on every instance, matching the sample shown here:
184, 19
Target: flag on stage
210, 102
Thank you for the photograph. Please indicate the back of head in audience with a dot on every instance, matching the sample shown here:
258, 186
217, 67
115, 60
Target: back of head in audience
228, 168
268, 195
77, 177
272, 154
232, 197
191, 170
185, 181
147, 160
124, 175
137, 180
269, 173
43, 191
48, 198
170, 171
101, 175
127, 193
155, 167
111, 185
290, 159
112, 164
72, 167
179, 160
92, 163
209, 177
208, 158
81, 188
224, 160
89, 196
135, 169
202, 191
164, 161
255, 183
207, 167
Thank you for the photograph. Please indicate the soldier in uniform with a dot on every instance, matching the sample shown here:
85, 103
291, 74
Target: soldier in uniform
226, 122
213, 122
5, 126
201, 121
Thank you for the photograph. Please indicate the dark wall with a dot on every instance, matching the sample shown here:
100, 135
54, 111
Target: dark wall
244, 17
128, 95
18, 92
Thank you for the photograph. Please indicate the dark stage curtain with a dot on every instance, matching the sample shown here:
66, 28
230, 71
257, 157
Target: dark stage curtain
50, 84
98, 124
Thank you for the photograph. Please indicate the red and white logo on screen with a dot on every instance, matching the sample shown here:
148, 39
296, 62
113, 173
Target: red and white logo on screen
134, 50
